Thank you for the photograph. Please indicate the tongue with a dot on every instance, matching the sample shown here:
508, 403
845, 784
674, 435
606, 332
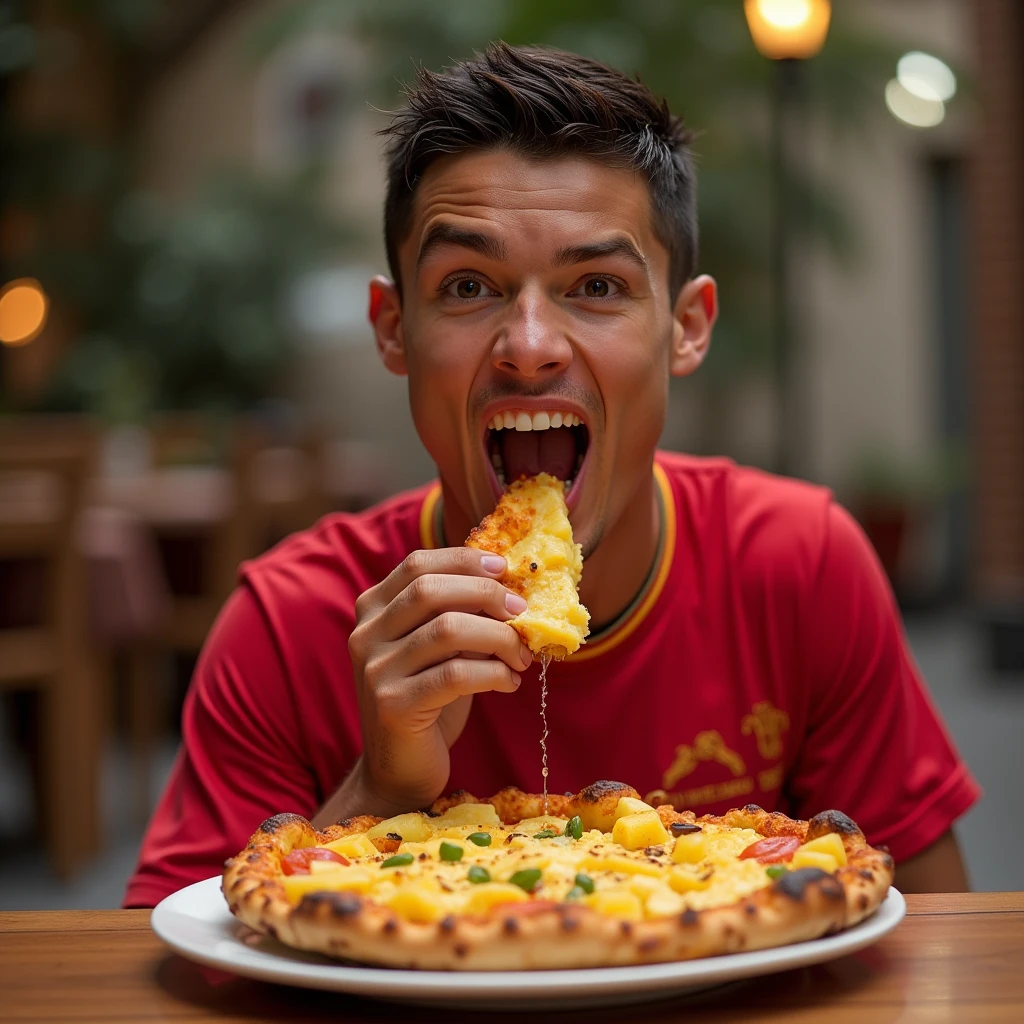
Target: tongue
528, 452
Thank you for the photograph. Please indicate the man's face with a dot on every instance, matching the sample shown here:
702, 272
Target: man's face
535, 292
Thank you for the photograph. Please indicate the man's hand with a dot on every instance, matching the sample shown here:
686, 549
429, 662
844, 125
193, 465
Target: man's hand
426, 639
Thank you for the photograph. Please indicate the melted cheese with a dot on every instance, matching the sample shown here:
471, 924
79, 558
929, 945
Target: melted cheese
650, 876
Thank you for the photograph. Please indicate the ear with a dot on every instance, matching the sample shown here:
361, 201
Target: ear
385, 316
695, 313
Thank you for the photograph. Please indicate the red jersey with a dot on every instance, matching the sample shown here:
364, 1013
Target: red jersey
763, 661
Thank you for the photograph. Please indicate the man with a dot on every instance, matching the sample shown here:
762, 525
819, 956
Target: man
541, 236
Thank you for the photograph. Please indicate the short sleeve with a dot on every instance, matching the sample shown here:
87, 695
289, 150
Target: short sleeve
239, 761
875, 746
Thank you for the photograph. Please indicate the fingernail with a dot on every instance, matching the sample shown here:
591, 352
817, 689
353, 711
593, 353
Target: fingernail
493, 563
526, 654
515, 604
516, 678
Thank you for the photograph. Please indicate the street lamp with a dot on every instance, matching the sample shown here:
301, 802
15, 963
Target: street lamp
787, 32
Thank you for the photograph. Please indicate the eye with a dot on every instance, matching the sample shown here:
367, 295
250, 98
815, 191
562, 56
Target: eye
598, 288
466, 288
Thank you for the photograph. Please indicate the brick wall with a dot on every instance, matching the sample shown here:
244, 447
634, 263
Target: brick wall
997, 271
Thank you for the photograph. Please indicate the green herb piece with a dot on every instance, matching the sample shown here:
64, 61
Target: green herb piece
478, 874
574, 827
585, 882
451, 851
399, 860
575, 893
775, 871
528, 879
547, 833
480, 838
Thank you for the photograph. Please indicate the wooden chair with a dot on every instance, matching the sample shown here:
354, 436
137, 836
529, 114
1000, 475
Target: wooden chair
42, 480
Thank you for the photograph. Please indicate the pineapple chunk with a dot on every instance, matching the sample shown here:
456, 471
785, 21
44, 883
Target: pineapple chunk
804, 858
616, 903
630, 805
417, 902
643, 885
635, 831
353, 846
490, 894
828, 843
664, 903
625, 865
325, 867
467, 814
685, 881
347, 880
691, 848
413, 827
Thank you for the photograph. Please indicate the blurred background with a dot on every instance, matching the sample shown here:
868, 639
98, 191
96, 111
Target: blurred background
190, 199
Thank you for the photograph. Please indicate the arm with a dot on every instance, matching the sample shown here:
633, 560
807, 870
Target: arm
937, 868
873, 743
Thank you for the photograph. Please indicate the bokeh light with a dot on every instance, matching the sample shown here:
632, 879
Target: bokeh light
917, 111
926, 76
23, 310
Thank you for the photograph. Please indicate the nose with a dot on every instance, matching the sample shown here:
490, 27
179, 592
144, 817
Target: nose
530, 342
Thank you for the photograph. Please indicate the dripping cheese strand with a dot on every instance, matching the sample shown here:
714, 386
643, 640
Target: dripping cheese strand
545, 660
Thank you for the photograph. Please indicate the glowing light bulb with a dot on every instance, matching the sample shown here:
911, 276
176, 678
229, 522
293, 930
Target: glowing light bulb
23, 311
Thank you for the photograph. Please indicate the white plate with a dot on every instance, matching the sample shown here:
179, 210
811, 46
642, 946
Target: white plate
196, 922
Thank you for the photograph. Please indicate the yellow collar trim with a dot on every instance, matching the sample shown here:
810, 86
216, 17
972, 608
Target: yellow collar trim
619, 631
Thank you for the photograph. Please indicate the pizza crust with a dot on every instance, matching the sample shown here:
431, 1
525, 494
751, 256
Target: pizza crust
542, 934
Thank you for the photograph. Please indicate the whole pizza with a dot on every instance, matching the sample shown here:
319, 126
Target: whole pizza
596, 879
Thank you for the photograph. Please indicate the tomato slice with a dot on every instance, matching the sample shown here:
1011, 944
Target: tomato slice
297, 862
771, 850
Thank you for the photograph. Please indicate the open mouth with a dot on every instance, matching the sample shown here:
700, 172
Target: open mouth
522, 443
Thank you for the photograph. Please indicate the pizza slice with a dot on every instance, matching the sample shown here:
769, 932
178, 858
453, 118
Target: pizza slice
530, 529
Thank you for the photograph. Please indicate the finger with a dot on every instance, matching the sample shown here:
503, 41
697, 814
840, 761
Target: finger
451, 634
442, 684
428, 596
442, 561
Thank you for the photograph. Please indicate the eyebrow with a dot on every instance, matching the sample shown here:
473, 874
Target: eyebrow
441, 235
618, 246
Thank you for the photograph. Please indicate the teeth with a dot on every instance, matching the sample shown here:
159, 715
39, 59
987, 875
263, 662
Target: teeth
522, 420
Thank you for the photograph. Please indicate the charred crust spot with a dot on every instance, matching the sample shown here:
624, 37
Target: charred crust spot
390, 926
570, 922
887, 862
794, 884
862, 901
461, 949
254, 858
750, 908
447, 924
513, 835
271, 825
654, 852
511, 925
597, 790
271, 931
340, 904
533, 567
626, 927
345, 823
394, 837
868, 876
753, 808
649, 945
683, 828
432, 814
831, 821
689, 917
422, 856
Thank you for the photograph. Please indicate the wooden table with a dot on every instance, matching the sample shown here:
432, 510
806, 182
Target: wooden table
955, 957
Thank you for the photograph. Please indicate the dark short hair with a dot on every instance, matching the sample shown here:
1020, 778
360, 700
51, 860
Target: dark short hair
543, 103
